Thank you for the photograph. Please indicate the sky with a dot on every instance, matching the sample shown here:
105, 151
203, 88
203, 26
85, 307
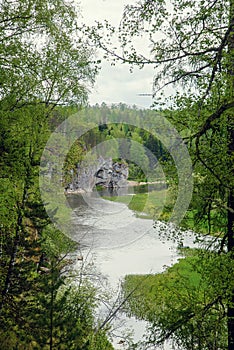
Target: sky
116, 84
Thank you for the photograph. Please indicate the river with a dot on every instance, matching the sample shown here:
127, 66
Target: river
119, 243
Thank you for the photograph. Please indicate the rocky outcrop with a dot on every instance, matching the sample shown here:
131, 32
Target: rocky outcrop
103, 172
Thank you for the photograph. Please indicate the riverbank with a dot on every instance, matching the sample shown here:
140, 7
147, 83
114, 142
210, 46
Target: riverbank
130, 183
147, 205
119, 244
141, 183
180, 302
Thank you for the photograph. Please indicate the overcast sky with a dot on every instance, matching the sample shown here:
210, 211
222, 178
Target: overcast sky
116, 84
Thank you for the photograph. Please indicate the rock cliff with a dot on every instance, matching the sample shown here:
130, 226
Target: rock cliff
103, 172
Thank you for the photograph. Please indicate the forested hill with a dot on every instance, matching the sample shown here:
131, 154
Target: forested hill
120, 132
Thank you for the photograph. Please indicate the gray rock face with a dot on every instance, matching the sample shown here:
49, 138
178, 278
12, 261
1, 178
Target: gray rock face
102, 172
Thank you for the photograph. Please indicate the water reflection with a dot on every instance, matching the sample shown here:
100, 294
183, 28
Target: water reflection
128, 190
119, 243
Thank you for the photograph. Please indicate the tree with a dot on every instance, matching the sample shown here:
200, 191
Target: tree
43, 56
44, 63
183, 291
193, 49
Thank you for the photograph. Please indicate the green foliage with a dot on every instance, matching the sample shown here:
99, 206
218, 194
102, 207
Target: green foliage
124, 140
192, 48
151, 203
74, 157
43, 63
43, 58
185, 302
51, 309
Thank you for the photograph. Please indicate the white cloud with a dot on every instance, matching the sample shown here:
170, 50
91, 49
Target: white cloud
116, 84
103, 9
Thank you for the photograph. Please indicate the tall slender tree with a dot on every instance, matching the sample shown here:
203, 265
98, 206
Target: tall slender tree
44, 63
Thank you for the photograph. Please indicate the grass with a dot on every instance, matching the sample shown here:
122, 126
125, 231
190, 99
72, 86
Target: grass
179, 283
146, 205
158, 205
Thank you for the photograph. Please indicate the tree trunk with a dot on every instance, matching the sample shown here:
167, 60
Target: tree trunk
52, 307
12, 261
230, 226
19, 229
230, 312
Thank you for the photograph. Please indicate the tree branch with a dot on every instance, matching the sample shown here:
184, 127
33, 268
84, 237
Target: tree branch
181, 322
211, 118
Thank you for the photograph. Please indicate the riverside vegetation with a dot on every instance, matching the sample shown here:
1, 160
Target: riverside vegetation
42, 304
191, 49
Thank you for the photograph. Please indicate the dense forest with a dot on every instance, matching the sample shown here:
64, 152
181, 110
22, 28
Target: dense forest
43, 305
106, 124
48, 64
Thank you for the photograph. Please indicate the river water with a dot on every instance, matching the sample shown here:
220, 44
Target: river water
119, 243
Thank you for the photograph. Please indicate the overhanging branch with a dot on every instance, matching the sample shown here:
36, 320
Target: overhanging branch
213, 117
